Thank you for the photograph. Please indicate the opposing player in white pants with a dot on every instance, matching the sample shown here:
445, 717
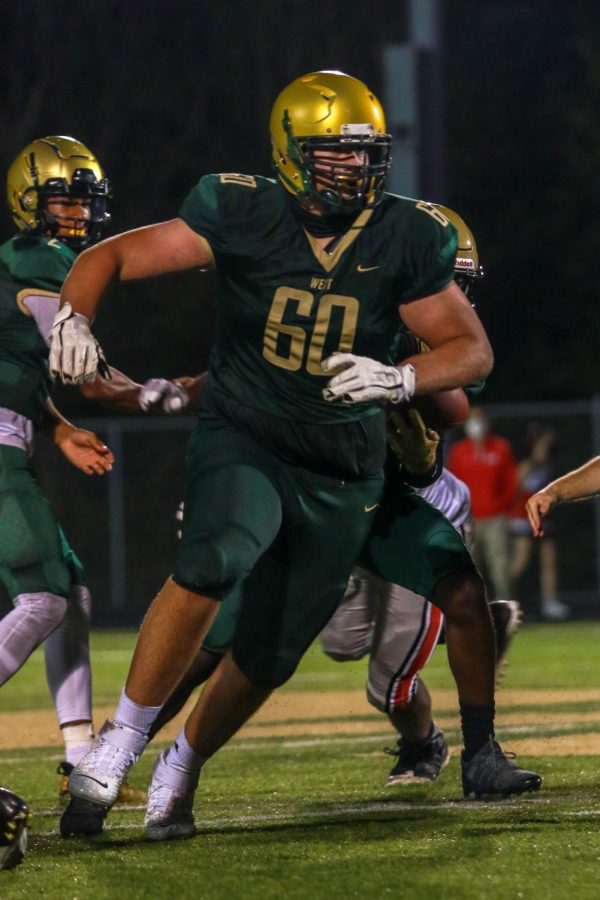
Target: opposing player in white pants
399, 630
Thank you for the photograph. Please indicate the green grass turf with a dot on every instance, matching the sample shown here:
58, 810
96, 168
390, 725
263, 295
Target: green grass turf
308, 818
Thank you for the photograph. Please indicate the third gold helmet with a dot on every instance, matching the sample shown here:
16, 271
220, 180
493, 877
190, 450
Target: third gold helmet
57, 166
467, 269
333, 113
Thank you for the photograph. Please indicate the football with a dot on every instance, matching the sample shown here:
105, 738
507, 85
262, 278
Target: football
443, 409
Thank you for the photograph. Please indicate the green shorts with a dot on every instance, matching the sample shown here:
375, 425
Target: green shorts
412, 543
34, 553
289, 536
220, 636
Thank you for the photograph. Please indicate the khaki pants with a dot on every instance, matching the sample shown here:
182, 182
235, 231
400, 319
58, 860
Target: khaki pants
491, 550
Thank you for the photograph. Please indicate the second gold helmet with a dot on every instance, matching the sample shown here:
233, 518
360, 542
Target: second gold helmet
333, 113
467, 269
57, 166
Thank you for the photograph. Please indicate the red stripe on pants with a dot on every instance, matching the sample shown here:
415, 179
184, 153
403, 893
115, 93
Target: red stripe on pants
403, 692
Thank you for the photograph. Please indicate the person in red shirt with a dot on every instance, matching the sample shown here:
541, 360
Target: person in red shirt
485, 462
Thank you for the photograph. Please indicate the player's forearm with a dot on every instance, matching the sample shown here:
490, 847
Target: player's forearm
578, 484
54, 424
120, 392
89, 278
142, 253
456, 363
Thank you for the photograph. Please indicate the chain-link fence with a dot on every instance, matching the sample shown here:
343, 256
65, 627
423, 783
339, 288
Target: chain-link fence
123, 525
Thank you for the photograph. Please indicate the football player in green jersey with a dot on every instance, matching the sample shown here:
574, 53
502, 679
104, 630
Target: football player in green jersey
396, 627
57, 194
315, 271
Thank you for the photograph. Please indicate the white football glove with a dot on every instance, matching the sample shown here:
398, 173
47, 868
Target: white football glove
75, 354
359, 379
158, 392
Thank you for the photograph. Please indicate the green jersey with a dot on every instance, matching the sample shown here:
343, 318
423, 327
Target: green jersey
285, 304
30, 266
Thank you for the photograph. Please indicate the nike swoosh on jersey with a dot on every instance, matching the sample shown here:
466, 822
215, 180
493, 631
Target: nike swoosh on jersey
371, 508
361, 268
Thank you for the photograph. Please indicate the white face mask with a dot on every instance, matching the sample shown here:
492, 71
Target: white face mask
475, 428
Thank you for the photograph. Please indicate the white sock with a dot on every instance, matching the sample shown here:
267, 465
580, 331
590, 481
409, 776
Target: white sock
179, 766
135, 716
78, 740
181, 754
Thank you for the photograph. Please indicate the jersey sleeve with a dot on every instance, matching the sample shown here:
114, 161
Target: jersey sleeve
201, 211
432, 252
231, 211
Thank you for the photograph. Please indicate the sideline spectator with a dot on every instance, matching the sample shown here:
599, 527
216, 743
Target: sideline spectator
485, 462
533, 472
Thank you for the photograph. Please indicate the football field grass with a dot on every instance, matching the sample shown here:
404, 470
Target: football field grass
295, 806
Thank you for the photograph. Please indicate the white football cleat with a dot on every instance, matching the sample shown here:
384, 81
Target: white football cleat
170, 801
101, 772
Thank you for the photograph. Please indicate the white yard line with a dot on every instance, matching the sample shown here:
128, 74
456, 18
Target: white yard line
300, 743
335, 811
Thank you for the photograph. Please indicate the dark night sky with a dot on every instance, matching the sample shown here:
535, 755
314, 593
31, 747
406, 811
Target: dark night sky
164, 92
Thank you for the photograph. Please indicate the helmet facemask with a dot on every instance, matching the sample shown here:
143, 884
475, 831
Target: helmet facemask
344, 172
83, 186
468, 281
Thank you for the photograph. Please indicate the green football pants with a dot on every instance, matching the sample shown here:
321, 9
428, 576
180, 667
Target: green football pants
287, 535
34, 553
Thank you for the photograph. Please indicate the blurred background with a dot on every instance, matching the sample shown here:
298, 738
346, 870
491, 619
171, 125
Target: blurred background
494, 111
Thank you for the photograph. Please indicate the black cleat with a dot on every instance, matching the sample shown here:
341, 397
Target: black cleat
491, 773
507, 617
82, 818
419, 763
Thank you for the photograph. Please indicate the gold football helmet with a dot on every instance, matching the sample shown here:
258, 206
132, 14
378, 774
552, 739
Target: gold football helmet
52, 167
330, 114
467, 269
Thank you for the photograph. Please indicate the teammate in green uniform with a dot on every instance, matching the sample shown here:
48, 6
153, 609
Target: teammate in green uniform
58, 194
285, 466
379, 615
